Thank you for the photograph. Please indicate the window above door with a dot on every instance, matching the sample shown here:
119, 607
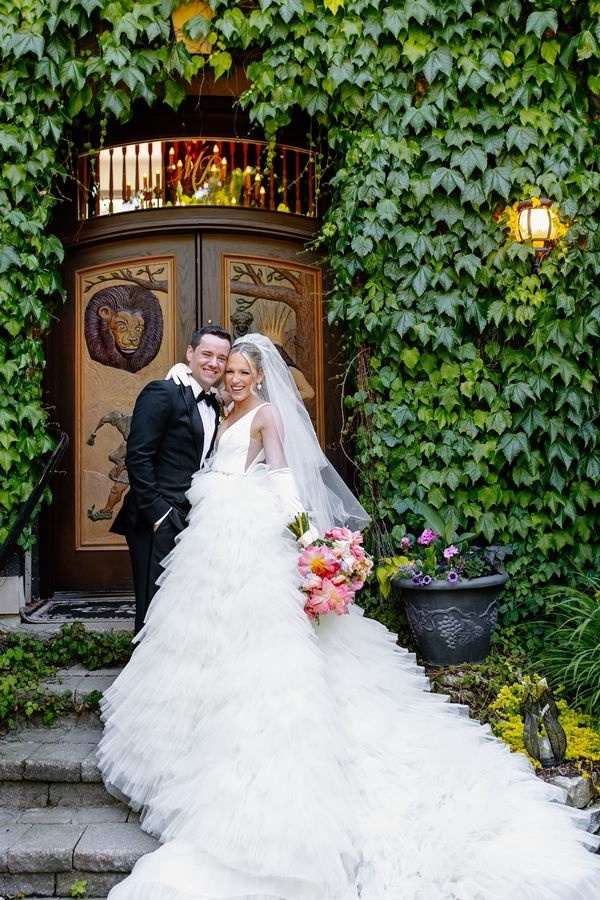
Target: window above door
197, 171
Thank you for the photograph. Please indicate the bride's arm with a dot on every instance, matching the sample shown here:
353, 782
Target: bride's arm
270, 426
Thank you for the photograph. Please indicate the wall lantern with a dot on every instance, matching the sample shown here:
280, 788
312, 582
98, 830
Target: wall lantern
536, 222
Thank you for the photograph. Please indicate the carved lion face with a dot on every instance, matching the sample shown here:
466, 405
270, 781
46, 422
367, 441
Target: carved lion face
127, 328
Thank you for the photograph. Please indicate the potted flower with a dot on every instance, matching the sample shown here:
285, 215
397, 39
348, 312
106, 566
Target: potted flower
450, 589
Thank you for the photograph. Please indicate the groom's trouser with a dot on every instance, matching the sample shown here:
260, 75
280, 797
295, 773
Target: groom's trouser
147, 549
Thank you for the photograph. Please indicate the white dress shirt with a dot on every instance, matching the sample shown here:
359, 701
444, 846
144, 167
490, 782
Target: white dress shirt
208, 416
209, 423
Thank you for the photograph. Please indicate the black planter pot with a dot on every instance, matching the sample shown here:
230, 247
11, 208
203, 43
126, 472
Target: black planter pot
452, 623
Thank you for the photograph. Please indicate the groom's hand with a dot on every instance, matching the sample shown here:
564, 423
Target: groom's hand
157, 525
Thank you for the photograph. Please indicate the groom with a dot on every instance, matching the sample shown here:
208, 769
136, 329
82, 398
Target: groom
172, 432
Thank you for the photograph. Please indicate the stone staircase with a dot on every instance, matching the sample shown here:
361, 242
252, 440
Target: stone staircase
58, 824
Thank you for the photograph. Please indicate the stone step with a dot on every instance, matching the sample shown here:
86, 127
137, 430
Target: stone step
48, 885
44, 851
52, 766
27, 794
79, 682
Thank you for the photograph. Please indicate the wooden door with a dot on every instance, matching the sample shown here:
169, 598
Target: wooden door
132, 306
163, 286
273, 287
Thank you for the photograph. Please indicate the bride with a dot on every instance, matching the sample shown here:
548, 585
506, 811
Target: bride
277, 759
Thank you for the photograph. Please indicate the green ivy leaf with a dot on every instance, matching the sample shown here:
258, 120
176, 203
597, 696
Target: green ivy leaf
438, 61
393, 20
521, 137
221, 62
469, 262
538, 22
420, 281
469, 159
116, 103
499, 180
174, 93
73, 70
23, 42
387, 210
446, 210
561, 452
404, 321
512, 444
362, 245
197, 27
8, 257
410, 357
549, 51
449, 179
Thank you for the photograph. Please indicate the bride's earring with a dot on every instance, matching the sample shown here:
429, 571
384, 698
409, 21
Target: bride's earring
259, 385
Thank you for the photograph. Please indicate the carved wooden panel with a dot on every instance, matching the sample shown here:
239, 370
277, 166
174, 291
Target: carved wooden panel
125, 337
281, 299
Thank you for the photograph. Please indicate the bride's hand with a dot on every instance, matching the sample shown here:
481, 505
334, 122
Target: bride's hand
308, 537
180, 373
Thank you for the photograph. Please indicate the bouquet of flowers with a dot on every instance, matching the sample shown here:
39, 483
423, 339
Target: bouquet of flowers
332, 569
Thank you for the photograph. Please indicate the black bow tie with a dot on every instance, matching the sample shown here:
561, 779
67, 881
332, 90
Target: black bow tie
206, 397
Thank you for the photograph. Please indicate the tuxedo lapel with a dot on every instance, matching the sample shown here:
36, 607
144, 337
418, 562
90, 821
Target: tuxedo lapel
195, 420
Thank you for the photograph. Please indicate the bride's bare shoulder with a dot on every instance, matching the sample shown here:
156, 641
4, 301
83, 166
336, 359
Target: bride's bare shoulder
266, 417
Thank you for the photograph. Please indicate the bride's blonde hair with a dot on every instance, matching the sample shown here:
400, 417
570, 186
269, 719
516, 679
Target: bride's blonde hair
253, 357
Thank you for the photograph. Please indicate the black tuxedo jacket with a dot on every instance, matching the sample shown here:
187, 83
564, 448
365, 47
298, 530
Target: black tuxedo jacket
164, 449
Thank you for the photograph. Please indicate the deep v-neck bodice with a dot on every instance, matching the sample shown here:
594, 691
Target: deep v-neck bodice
232, 452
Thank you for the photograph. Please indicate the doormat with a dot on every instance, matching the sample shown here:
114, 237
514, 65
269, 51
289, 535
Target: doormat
78, 607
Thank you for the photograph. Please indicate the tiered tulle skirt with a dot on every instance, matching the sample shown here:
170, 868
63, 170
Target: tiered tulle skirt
279, 760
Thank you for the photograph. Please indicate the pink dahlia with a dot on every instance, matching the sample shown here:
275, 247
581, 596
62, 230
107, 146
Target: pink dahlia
344, 534
318, 560
337, 596
316, 605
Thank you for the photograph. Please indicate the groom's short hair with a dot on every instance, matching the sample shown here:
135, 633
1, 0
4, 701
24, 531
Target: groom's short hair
209, 329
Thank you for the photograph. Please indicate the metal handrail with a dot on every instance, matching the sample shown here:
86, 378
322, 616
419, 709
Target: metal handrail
9, 545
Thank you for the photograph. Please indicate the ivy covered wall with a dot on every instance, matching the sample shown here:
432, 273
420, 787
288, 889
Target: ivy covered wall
65, 63
477, 381
478, 387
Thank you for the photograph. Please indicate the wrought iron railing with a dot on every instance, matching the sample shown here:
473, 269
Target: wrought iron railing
26, 511
204, 171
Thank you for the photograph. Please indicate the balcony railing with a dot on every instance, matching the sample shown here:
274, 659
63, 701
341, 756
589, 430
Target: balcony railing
204, 171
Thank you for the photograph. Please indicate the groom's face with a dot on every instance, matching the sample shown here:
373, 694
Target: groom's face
207, 360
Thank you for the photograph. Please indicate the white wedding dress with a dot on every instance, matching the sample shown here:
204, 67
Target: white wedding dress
279, 760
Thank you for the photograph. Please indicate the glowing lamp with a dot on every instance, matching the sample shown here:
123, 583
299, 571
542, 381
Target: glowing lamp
535, 223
